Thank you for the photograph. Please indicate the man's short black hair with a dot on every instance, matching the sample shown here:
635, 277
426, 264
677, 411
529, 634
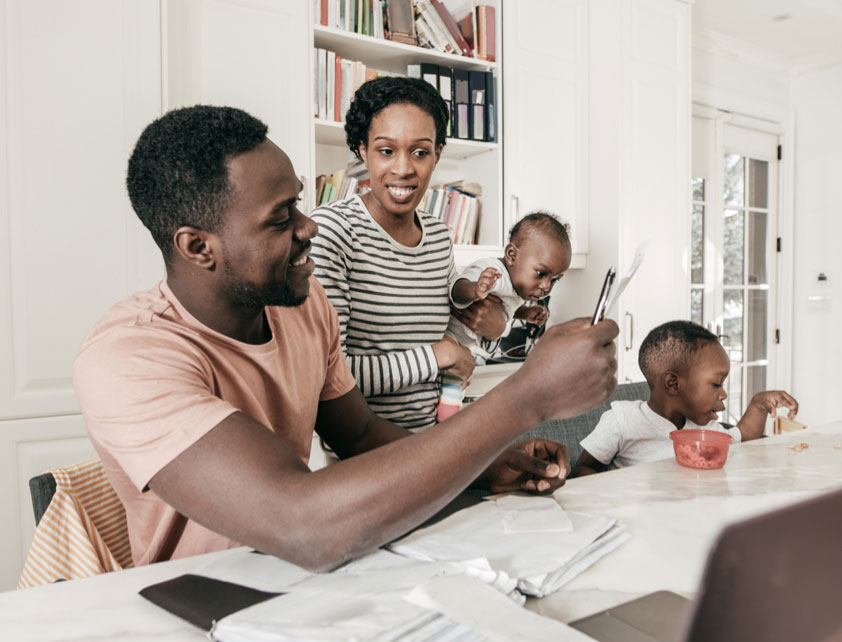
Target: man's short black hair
672, 346
541, 222
178, 171
375, 95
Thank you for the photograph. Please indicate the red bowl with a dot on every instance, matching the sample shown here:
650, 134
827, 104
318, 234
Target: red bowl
700, 448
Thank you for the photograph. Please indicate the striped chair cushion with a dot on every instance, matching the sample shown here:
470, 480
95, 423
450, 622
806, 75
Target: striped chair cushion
82, 533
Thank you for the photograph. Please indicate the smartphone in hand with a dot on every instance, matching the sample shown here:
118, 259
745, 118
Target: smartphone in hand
599, 313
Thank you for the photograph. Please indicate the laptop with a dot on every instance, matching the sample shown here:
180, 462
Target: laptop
775, 577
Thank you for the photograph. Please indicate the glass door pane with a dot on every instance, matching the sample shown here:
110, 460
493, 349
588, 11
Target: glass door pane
732, 260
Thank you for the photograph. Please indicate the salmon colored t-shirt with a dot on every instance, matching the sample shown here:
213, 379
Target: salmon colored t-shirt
151, 380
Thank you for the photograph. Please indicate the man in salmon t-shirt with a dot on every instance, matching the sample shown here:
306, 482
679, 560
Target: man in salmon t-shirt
201, 395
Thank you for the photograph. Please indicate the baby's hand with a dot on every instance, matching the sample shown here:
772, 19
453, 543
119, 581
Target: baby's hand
770, 400
536, 315
486, 281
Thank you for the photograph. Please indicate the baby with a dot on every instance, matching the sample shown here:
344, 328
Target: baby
685, 367
535, 258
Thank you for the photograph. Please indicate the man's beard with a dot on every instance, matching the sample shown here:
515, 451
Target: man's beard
246, 294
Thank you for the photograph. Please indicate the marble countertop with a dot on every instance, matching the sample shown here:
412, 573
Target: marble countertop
673, 513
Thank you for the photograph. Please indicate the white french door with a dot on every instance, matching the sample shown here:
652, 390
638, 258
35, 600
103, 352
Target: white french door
734, 245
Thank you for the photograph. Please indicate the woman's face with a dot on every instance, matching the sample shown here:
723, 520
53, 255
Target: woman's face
400, 155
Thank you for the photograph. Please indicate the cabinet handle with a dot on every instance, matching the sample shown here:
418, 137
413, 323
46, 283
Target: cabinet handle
515, 208
629, 331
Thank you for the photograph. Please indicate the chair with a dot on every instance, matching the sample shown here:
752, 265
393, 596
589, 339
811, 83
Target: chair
80, 526
571, 431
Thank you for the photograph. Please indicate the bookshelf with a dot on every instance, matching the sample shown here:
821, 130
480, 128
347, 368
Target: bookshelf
471, 160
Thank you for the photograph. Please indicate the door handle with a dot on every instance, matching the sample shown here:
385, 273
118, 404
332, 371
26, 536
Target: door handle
629, 331
514, 205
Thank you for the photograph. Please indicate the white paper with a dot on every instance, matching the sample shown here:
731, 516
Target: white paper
639, 253
539, 560
531, 514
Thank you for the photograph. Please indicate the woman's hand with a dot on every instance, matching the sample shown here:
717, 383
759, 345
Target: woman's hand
454, 359
486, 317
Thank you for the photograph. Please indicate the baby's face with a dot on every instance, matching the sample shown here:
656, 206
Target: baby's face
703, 390
537, 263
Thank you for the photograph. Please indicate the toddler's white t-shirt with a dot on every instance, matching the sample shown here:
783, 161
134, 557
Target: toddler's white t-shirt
630, 433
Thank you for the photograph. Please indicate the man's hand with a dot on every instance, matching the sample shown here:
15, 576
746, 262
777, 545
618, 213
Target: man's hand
486, 317
485, 282
535, 466
571, 369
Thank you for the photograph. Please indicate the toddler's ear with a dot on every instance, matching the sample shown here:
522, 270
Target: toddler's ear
510, 253
670, 383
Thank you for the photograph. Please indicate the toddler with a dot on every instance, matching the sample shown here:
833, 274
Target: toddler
535, 258
685, 367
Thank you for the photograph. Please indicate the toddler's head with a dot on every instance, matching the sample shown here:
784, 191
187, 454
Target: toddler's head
685, 366
537, 255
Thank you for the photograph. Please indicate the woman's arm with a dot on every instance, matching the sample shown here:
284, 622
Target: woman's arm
375, 374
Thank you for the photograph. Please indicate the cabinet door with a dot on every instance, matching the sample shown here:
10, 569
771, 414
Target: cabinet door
655, 168
251, 54
79, 83
546, 112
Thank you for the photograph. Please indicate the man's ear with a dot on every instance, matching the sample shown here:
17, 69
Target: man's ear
195, 246
510, 254
671, 383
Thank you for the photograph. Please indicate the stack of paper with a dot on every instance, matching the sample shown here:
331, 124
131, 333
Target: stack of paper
380, 597
531, 539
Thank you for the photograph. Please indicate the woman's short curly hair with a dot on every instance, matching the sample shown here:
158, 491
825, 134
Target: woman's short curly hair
375, 95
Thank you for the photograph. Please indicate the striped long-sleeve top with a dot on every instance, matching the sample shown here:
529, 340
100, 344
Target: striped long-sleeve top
392, 303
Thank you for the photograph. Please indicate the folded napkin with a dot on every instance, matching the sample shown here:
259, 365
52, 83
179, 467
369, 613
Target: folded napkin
541, 561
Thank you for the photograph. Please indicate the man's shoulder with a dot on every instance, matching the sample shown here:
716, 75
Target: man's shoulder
144, 326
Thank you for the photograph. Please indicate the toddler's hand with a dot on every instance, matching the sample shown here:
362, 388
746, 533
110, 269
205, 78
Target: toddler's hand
537, 315
486, 281
770, 400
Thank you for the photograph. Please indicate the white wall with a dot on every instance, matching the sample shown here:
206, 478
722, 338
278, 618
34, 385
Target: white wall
817, 377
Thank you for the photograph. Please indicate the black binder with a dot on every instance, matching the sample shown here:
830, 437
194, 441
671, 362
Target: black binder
490, 107
461, 104
477, 112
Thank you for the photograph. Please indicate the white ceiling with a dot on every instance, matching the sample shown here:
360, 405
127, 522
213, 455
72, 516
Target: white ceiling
798, 34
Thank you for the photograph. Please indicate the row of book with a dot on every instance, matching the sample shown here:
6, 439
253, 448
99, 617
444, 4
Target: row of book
365, 17
471, 98
456, 207
342, 183
425, 23
337, 79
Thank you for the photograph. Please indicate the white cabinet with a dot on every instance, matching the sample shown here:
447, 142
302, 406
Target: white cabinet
546, 113
249, 54
654, 195
614, 159
79, 82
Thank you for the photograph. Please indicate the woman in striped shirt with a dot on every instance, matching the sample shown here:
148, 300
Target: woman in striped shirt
385, 267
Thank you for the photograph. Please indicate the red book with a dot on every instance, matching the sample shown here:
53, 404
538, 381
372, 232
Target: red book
337, 90
323, 12
490, 34
452, 27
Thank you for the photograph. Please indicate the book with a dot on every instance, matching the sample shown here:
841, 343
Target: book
486, 35
437, 27
401, 21
477, 112
461, 104
456, 35
337, 89
490, 106
446, 90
